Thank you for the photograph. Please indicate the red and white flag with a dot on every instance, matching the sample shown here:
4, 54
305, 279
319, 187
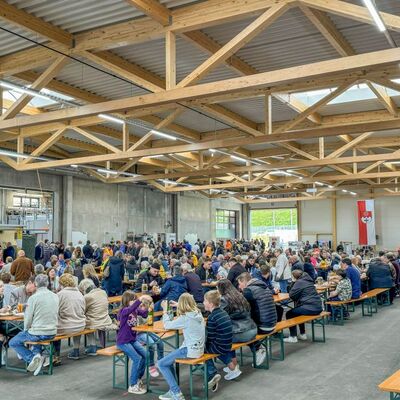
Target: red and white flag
366, 223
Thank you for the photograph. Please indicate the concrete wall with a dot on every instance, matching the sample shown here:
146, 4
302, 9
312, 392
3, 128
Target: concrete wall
316, 217
32, 180
196, 214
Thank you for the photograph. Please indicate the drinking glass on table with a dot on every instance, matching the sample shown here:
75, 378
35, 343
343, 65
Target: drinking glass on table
20, 308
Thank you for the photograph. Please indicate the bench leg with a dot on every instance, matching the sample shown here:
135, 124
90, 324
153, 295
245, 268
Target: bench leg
282, 346
318, 322
368, 303
205, 380
191, 381
120, 361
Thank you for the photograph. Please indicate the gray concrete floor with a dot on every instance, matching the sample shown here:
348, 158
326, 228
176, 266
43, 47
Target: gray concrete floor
350, 365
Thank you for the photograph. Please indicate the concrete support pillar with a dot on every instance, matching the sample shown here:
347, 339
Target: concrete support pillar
245, 221
67, 208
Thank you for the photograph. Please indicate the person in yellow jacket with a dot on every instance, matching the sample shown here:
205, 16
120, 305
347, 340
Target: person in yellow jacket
195, 260
209, 250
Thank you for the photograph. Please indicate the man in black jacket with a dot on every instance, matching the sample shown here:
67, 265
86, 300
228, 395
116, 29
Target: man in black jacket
235, 269
263, 311
205, 271
151, 277
87, 250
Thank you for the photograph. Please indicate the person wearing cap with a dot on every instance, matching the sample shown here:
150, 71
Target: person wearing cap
151, 277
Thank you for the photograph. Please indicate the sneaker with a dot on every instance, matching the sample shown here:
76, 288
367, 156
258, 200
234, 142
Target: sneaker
91, 351
233, 374
36, 360
46, 362
260, 355
39, 367
290, 339
56, 360
213, 383
166, 396
154, 372
302, 336
74, 354
226, 369
136, 389
178, 396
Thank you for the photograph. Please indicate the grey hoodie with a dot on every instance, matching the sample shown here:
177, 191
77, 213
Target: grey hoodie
194, 331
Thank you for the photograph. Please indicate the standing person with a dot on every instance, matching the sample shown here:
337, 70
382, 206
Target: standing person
47, 252
235, 269
127, 341
22, 267
39, 253
191, 322
88, 251
306, 301
40, 323
9, 251
145, 252
116, 272
219, 336
283, 273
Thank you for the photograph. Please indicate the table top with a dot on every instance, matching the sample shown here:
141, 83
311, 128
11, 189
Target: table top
158, 327
12, 317
114, 299
391, 384
281, 297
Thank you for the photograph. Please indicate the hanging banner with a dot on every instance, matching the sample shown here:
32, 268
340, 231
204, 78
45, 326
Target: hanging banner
366, 223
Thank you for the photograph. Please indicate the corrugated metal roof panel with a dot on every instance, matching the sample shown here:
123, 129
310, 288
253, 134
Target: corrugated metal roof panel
11, 43
80, 15
351, 107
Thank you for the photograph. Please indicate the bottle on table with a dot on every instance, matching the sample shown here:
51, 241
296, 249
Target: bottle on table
170, 311
150, 317
145, 288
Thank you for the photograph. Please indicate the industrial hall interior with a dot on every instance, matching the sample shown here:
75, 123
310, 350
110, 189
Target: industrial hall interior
199, 199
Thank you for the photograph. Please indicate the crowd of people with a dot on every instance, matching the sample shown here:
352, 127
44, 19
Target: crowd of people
231, 282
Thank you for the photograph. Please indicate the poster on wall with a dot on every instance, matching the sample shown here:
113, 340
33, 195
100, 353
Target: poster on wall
366, 222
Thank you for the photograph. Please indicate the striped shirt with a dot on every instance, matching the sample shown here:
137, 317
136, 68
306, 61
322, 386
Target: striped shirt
219, 332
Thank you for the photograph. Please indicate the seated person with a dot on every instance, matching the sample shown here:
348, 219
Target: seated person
193, 283
20, 295
244, 328
97, 313
8, 288
150, 339
219, 335
40, 323
262, 306
205, 271
173, 288
343, 289
71, 314
306, 302
354, 275
151, 277
265, 275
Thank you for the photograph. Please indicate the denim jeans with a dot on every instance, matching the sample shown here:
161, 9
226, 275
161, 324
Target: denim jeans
243, 337
137, 353
212, 370
295, 312
154, 340
284, 285
17, 343
166, 367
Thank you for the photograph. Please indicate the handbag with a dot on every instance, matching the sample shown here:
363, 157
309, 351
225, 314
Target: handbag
280, 278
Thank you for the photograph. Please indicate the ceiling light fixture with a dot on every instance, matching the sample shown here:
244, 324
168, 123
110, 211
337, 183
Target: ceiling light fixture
23, 90
238, 158
375, 15
111, 118
107, 171
319, 183
162, 134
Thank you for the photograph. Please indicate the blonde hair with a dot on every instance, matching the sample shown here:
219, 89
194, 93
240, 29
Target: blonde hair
186, 304
67, 280
213, 297
88, 271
